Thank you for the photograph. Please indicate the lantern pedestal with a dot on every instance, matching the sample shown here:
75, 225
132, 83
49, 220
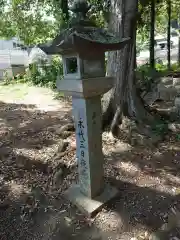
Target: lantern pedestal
90, 206
91, 192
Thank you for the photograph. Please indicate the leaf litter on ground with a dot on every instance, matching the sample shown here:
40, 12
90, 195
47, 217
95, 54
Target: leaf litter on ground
37, 164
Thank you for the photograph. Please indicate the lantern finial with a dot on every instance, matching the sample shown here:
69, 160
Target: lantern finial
80, 8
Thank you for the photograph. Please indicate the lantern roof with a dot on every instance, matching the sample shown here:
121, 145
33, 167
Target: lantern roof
83, 35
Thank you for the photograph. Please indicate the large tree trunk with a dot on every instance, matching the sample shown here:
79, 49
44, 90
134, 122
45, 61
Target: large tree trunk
179, 48
152, 28
169, 34
123, 100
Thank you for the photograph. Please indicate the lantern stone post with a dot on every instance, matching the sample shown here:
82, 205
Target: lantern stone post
83, 48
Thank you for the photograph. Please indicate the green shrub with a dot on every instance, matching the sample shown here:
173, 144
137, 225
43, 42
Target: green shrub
45, 75
41, 75
160, 127
160, 67
146, 76
175, 67
7, 79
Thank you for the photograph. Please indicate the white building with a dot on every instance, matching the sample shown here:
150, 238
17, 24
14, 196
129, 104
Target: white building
10, 44
13, 57
36, 55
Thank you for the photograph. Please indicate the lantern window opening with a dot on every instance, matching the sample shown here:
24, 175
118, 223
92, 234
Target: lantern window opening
71, 65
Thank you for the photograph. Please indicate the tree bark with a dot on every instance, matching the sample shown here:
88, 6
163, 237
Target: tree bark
179, 48
123, 100
169, 34
152, 28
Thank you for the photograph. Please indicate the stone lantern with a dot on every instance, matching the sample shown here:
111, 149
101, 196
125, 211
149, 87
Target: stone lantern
82, 47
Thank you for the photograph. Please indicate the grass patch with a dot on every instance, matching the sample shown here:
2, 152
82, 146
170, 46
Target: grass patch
14, 91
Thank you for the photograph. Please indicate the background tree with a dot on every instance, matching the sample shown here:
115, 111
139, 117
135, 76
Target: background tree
31, 21
169, 34
123, 101
176, 22
152, 33
179, 47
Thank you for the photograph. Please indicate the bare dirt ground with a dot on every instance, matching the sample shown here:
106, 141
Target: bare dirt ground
37, 164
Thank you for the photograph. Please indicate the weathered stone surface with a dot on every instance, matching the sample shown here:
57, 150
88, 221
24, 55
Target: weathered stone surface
87, 205
174, 127
87, 114
151, 97
177, 102
177, 105
167, 89
177, 87
167, 92
85, 88
176, 81
86, 82
167, 80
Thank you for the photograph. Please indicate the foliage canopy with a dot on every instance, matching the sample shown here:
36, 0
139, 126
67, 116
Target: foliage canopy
35, 21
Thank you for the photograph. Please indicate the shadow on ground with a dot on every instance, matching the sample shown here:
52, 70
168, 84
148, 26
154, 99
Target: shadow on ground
130, 210
28, 211
24, 130
26, 134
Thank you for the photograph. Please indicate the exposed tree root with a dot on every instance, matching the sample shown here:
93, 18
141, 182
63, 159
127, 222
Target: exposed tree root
132, 124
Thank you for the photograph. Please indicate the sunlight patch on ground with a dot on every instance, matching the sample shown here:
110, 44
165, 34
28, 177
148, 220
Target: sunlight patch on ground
173, 180
110, 220
174, 147
4, 125
156, 183
43, 154
30, 153
15, 92
129, 167
144, 178
25, 123
17, 189
27, 155
50, 108
122, 147
113, 145
41, 98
